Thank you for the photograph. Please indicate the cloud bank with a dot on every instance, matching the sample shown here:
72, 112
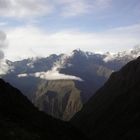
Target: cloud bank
55, 75
3, 43
37, 8
51, 75
24, 39
24, 8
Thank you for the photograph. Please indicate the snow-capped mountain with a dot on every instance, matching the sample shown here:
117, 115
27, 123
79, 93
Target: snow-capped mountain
39, 64
56, 78
124, 55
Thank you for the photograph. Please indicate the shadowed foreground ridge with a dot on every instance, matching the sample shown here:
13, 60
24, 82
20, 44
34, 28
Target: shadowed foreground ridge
114, 112
19, 119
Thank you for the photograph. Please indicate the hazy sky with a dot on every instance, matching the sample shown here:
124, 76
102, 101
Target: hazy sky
42, 27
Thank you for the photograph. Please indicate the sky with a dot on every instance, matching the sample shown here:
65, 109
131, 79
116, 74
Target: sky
42, 27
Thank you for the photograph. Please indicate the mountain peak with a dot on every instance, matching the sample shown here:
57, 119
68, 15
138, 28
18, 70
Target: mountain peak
77, 51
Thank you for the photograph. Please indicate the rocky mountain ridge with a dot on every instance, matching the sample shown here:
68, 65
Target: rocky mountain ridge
88, 71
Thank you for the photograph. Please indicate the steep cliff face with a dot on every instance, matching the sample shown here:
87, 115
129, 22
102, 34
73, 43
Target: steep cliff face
113, 113
59, 98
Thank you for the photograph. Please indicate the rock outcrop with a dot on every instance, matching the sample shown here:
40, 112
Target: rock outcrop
59, 98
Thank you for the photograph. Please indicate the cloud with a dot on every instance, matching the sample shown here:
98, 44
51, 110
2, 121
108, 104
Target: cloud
129, 30
3, 43
4, 68
23, 75
1, 55
103, 3
51, 75
24, 39
2, 39
21, 9
80, 7
55, 75
31, 9
24, 8
74, 7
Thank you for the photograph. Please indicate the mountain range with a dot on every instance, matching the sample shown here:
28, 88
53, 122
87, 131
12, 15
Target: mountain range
112, 113
61, 84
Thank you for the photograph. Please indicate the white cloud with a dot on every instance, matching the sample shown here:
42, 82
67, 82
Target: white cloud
3, 67
74, 7
3, 44
80, 7
103, 3
55, 75
51, 75
24, 8
24, 39
22, 75
132, 30
35, 8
